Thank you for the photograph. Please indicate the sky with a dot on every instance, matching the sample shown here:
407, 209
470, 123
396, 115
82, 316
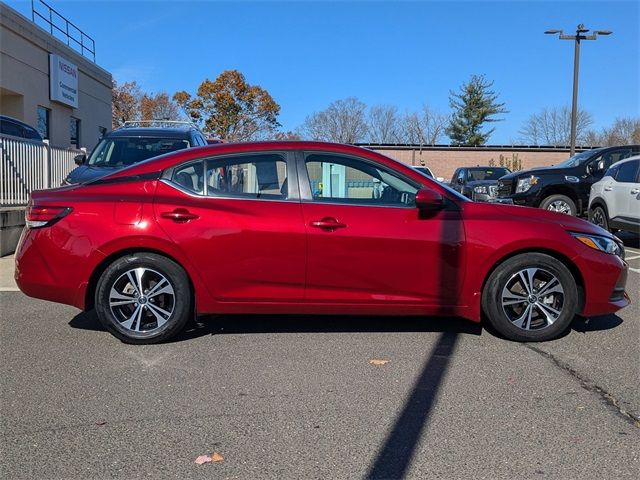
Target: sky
307, 54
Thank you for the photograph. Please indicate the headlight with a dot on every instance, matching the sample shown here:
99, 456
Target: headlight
524, 184
603, 244
480, 189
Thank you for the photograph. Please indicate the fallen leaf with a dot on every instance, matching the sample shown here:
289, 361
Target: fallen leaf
378, 362
101, 423
216, 457
203, 459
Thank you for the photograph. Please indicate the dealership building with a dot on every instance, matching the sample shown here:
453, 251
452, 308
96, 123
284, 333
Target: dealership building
44, 82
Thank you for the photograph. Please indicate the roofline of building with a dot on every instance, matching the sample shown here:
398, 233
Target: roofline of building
510, 148
13, 20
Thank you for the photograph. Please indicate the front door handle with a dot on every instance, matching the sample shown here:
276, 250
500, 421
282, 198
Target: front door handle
608, 188
635, 191
327, 223
179, 215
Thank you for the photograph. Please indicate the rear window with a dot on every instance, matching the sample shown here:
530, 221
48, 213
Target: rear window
481, 174
123, 151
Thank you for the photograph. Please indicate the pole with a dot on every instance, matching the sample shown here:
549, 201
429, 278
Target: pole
574, 105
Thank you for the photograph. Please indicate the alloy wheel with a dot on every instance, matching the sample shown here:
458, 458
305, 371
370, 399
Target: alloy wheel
533, 299
560, 206
142, 300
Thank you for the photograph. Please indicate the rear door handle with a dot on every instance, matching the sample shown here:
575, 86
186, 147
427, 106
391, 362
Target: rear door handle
327, 223
179, 215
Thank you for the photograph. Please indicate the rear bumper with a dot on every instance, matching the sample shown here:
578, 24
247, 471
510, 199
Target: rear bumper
37, 277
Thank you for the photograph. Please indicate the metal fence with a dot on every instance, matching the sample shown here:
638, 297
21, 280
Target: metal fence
29, 165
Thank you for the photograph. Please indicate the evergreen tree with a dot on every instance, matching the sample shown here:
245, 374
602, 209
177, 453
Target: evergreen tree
475, 105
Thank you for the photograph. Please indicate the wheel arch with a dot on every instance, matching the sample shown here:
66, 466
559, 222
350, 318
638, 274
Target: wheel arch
566, 261
559, 190
89, 299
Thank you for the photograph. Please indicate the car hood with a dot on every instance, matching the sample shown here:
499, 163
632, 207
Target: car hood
530, 214
86, 173
538, 171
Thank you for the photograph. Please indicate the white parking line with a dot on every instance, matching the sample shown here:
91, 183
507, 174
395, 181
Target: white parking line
632, 258
9, 289
637, 270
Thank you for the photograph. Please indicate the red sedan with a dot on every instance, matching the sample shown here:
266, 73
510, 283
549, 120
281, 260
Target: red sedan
307, 228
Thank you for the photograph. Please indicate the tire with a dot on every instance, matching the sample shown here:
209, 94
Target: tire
559, 203
143, 319
599, 217
512, 320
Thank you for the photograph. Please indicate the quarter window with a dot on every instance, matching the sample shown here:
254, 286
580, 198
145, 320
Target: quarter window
335, 179
190, 177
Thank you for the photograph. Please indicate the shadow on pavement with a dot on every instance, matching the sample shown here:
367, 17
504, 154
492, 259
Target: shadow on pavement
595, 324
630, 239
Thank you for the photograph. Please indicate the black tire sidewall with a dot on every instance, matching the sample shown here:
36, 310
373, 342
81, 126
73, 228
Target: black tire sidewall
174, 274
552, 198
492, 291
604, 216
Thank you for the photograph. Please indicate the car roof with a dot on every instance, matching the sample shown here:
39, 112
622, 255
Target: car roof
150, 132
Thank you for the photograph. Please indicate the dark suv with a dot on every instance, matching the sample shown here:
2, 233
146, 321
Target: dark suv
478, 183
133, 143
16, 128
565, 187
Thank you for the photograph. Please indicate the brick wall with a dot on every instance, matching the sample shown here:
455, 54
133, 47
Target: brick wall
444, 160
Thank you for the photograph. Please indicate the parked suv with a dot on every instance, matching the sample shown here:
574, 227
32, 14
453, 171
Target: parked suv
565, 187
614, 203
133, 143
16, 128
478, 183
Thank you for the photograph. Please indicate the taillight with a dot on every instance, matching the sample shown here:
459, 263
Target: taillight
36, 217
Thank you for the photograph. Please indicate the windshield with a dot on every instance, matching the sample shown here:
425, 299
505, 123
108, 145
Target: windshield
577, 159
123, 151
480, 174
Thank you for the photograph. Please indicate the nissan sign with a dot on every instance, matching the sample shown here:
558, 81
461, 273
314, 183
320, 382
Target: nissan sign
63, 81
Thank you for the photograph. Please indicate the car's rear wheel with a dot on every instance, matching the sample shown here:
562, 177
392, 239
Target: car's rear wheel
143, 298
560, 204
598, 216
531, 297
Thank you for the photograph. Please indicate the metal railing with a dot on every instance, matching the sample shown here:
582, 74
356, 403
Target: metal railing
31, 165
69, 31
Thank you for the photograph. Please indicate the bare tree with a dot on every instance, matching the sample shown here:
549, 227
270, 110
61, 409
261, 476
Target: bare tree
624, 131
343, 121
552, 126
384, 124
426, 128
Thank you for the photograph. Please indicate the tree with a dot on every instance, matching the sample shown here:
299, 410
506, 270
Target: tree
425, 129
552, 126
125, 103
158, 107
475, 105
384, 124
343, 121
624, 131
231, 109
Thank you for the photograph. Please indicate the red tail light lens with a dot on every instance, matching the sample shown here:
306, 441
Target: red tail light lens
36, 217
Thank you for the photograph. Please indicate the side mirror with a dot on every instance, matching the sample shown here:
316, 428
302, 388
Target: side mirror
80, 158
459, 181
428, 200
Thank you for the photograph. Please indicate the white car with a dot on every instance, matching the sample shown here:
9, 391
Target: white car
614, 202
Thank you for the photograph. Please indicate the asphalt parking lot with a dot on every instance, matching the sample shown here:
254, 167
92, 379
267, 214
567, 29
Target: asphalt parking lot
297, 397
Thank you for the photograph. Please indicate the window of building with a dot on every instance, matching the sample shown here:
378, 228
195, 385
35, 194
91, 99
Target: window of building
74, 132
44, 115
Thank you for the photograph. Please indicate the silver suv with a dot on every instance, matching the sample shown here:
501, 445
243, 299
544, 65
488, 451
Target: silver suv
614, 202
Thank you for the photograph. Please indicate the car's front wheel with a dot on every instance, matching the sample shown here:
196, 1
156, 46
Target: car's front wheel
531, 297
143, 298
598, 216
560, 204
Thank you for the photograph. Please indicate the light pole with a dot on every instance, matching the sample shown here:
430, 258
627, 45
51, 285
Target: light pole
580, 35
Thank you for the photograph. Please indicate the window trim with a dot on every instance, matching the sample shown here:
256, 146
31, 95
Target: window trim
306, 195
292, 179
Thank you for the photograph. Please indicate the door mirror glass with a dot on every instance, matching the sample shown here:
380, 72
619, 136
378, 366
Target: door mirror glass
80, 158
428, 200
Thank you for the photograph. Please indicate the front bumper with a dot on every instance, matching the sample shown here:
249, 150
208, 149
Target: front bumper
605, 279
